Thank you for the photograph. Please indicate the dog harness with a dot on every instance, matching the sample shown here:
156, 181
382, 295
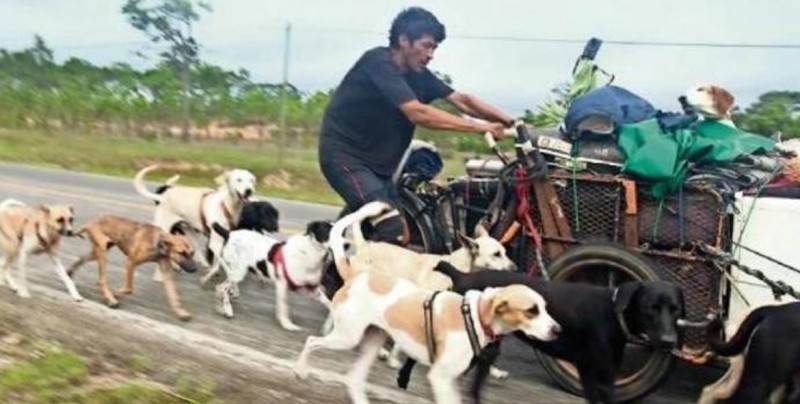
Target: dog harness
225, 211
469, 325
427, 307
275, 257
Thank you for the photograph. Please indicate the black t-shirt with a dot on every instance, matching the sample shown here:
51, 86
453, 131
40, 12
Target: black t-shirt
364, 123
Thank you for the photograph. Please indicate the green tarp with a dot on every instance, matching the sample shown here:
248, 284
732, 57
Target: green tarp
663, 157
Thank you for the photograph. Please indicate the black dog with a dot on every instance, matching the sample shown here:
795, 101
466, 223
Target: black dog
595, 323
260, 216
768, 339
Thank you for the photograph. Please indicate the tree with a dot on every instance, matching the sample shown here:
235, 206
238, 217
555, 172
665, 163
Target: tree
775, 111
170, 22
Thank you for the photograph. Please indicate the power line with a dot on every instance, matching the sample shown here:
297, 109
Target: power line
631, 43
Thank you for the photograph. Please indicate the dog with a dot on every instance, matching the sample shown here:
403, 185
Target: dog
483, 251
199, 207
140, 242
596, 323
295, 264
765, 355
395, 307
712, 102
24, 231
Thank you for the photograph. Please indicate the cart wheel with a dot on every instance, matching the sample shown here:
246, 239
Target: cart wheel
643, 368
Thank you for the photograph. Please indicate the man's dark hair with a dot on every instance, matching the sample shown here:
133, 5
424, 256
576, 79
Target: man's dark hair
415, 22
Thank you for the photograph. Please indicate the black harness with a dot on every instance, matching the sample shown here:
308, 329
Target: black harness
469, 325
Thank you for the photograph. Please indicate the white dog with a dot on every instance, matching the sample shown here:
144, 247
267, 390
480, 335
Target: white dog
24, 231
395, 306
296, 264
200, 207
484, 252
712, 102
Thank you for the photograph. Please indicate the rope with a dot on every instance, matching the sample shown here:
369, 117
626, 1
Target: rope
779, 288
750, 211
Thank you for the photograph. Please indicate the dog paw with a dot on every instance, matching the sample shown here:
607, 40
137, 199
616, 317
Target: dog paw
301, 372
384, 354
498, 374
77, 298
291, 327
183, 315
393, 362
123, 291
24, 294
113, 305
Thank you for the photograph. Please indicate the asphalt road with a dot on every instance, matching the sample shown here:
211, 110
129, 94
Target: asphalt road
254, 326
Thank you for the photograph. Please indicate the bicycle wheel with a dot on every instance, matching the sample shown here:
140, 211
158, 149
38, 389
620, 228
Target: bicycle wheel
643, 368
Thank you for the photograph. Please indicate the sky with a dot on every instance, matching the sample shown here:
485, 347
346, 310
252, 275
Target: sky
492, 49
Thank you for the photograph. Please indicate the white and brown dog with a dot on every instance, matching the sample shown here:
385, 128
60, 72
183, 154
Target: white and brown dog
712, 102
483, 252
295, 265
200, 207
25, 230
460, 325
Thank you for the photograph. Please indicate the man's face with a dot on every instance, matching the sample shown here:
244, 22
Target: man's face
419, 53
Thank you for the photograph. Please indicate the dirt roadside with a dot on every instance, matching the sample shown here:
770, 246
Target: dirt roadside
242, 375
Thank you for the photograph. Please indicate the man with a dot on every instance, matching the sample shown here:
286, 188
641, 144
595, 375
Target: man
371, 118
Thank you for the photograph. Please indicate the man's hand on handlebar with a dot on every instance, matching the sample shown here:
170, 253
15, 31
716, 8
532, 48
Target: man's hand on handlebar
498, 130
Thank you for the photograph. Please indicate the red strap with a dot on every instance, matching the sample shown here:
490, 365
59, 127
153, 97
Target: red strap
277, 259
524, 213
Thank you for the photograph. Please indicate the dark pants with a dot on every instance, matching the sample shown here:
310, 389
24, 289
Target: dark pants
357, 185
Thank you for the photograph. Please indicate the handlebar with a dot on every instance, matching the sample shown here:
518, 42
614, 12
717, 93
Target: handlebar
526, 152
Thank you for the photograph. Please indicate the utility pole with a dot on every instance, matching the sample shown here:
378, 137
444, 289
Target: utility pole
284, 87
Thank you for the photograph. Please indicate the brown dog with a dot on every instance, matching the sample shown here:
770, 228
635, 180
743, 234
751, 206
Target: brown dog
140, 242
25, 230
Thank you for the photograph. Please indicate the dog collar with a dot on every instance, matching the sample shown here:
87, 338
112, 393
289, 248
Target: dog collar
469, 322
275, 256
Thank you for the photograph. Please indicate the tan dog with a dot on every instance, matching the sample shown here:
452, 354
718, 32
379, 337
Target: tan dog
140, 242
200, 207
395, 306
25, 230
712, 102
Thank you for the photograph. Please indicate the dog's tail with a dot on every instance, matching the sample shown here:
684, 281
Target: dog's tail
9, 203
223, 232
337, 241
448, 269
141, 188
739, 341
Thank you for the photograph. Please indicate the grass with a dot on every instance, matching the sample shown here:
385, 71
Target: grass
295, 176
50, 374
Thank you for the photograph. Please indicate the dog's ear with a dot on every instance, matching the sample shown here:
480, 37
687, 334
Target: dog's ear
469, 243
723, 100
45, 209
222, 178
480, 231
624, 294
71, 210
162, 245
499, 304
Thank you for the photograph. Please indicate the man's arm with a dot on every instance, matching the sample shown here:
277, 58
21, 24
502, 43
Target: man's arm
435, 118
474, 106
